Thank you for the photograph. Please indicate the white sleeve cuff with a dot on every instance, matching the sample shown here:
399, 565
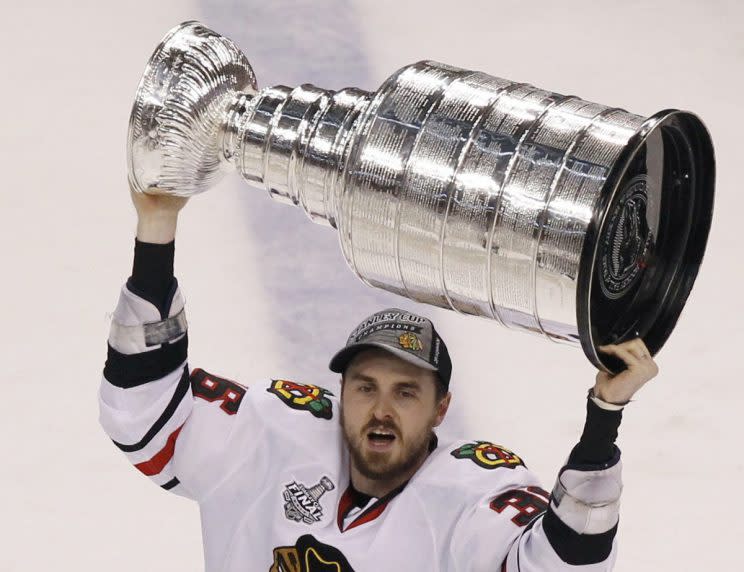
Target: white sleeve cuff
606, 405
137, 327
588, 501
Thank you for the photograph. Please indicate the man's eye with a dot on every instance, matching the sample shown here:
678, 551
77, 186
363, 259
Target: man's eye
407, 394
365, 388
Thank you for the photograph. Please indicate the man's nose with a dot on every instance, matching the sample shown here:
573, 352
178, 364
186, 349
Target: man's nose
382, 408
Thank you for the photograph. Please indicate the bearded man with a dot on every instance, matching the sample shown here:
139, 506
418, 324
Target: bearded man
290, 478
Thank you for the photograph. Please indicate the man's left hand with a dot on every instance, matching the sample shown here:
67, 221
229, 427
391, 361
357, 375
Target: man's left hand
640, 368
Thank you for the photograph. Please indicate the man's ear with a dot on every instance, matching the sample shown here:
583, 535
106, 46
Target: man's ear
442, 408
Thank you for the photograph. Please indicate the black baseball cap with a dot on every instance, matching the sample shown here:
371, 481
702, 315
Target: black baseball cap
406, 335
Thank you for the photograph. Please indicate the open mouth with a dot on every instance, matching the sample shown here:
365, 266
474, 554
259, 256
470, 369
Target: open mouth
380, 438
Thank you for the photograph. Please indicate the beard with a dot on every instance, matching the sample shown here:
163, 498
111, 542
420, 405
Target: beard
380, 466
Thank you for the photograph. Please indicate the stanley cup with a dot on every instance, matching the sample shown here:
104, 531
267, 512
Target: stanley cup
573, 220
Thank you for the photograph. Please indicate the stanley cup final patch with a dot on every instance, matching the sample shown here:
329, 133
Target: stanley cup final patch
302, 503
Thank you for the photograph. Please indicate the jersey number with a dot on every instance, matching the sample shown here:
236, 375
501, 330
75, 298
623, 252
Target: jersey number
530, 502
213, 388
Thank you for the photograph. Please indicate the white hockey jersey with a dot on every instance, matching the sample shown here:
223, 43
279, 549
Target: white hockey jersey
269, 468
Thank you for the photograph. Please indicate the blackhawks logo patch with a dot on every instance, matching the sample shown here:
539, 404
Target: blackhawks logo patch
302, 396
309, 555
487, 455
410, 341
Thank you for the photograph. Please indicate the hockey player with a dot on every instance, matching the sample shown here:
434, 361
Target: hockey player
291, 478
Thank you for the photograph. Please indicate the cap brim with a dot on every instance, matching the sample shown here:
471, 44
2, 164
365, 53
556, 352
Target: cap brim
341, 360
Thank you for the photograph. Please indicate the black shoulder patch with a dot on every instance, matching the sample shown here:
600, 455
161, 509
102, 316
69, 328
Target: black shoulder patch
487, 455
303, 396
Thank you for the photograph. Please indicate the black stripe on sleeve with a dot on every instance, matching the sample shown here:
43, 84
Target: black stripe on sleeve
178, 395
174, 482
597, 443
131, 370
152, 273
614, 460
163, 305
574, 548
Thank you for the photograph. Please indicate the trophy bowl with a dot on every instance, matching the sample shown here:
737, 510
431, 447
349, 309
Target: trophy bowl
179, 109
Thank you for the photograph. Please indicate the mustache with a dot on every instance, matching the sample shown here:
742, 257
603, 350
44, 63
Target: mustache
375, 424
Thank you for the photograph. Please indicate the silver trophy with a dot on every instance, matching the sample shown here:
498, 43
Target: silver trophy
579, 222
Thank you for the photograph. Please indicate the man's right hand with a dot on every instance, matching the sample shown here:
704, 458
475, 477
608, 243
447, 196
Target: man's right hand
157, 216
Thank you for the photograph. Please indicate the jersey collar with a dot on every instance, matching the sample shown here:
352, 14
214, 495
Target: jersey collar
353, 498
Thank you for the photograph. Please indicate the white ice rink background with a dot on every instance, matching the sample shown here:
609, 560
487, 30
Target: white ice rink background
268, 292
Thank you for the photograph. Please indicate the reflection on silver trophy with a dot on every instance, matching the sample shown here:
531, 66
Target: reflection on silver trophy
547, 213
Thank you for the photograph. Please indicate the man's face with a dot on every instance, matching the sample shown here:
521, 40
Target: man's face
388, 409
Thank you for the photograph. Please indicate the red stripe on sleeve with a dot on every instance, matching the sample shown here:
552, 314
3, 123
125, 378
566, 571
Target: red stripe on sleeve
160, 459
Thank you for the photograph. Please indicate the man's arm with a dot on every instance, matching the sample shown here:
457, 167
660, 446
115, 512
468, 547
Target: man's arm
172, 423
157, 216
574, 527
582, 518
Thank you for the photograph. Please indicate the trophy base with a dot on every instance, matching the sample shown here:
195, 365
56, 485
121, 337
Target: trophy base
642, 255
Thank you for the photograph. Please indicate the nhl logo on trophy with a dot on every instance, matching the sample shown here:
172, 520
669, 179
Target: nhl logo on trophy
576, 221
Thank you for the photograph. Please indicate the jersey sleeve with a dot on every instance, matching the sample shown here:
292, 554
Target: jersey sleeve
174, 425
522, 528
